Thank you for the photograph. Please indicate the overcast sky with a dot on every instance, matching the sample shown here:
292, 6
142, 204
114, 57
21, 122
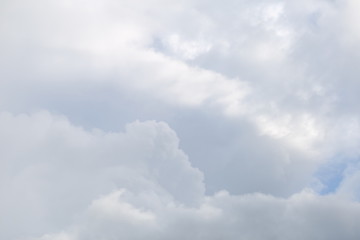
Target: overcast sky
179, 119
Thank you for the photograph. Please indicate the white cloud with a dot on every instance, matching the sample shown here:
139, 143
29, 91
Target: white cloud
254, 216
51, 170
187, 50
262, 93
136, 184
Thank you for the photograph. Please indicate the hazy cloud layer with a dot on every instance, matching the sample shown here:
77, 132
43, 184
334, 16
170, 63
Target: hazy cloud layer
179, 119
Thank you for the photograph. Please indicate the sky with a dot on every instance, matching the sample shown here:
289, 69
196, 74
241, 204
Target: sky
179, 119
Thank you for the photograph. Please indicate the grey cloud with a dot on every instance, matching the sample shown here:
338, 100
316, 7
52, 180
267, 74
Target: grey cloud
76, 184
51, 170
255, 216
261, 94
277, 94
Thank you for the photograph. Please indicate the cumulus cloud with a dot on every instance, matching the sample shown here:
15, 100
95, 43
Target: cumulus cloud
262, 94
255, 67
52, 169
63, 182
254, 216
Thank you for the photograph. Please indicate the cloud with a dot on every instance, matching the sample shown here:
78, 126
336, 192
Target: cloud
241, 75
254, 216
264, 99
52, 169
265, 67
68, 183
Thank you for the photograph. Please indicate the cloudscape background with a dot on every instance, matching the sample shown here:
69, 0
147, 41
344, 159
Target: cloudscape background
179, 119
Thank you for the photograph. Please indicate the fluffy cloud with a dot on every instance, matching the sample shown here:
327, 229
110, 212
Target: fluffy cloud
254, 216
51, 169
258, 67
262, 95
64, 182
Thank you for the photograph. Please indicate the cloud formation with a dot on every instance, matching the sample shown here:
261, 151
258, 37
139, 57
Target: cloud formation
221, 216
73, 184
261, 98
52, 169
